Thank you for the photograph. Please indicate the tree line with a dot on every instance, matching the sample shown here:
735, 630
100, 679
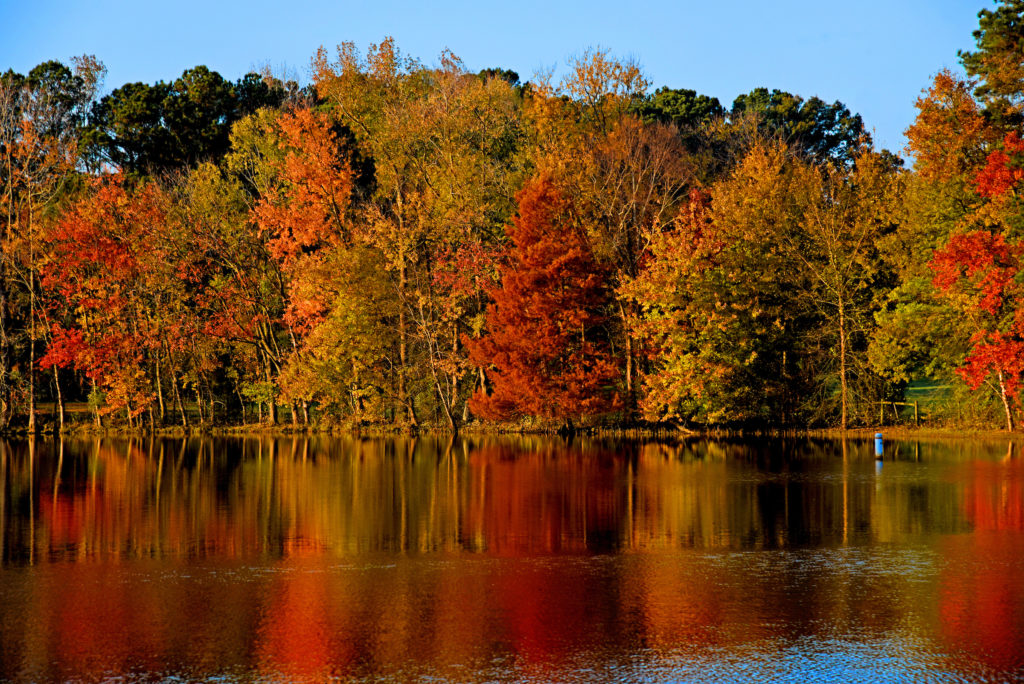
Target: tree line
399, 244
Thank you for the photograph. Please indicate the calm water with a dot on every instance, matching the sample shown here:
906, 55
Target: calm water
510, 560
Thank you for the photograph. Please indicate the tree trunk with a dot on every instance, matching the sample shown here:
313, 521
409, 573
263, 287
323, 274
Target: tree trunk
567, 429
31, 330
630, 394
5, 346
96, 409
160, 391
356, 394
452, 417
453, 384
842, 363
177, 400
447, 391
403, 349
60, 401
271, 405
241, 401
199, 406
1006, 402
5, 394
213, 407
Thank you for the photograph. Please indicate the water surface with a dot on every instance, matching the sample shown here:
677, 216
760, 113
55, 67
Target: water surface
527, 559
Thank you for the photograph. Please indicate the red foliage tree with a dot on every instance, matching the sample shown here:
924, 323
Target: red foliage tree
979, 271
983, 262
545, 348
1002, 170
102, 269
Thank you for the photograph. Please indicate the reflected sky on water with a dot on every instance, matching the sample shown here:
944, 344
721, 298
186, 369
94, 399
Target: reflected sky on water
511, 559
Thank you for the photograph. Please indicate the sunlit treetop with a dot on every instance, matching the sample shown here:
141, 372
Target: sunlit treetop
998, 62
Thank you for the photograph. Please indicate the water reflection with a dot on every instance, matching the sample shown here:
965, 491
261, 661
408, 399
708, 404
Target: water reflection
509, 559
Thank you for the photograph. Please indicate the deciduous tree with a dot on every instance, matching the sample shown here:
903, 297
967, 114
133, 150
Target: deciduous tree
544, 346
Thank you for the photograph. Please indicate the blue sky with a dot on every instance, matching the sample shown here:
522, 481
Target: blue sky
874, 55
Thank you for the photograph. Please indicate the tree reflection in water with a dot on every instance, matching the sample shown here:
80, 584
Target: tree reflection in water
509, 558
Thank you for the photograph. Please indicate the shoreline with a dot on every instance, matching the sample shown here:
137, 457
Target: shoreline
898, 433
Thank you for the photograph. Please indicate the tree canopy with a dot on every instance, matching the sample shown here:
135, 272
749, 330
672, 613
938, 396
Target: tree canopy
825, 132
402, 244
143, 129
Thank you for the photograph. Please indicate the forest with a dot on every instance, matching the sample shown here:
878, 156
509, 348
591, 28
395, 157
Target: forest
398, 245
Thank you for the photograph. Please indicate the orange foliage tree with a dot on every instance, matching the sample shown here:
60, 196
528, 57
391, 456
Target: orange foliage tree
545, 347
949, 135
306, 219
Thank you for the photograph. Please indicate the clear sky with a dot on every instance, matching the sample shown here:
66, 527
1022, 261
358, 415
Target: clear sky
874, 55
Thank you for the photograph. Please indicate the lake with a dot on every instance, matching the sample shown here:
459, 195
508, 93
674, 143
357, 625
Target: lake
511, 559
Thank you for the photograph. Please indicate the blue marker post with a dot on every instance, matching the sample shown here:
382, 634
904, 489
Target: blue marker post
878, 445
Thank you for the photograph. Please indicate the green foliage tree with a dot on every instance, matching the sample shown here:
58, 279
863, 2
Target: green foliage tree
998, 62
825, 132
685, 108
757, 304
146, 129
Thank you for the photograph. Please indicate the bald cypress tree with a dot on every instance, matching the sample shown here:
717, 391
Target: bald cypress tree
546, 349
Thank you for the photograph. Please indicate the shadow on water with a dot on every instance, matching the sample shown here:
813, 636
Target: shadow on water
525, 558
